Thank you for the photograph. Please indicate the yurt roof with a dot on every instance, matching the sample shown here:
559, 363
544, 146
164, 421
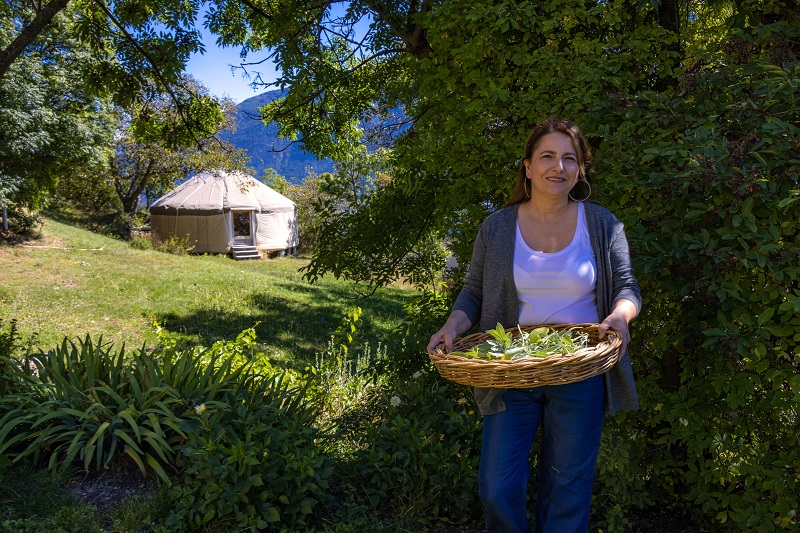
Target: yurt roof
220, 192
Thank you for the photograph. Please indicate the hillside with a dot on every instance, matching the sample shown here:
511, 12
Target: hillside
73, 282
265, 148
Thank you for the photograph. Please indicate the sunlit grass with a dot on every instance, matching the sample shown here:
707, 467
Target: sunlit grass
73, 282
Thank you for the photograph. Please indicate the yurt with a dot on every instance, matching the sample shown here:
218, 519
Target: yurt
226, 211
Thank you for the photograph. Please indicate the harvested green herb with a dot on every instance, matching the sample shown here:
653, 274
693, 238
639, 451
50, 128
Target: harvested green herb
538, 343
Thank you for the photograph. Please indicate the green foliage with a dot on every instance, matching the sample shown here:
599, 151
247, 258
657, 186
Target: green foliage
275, 181
140, 242
64, 521
22, 220
706, 178
324, 200
142, 511
13, 348
161, 140
11, 342
174, 244
342, 379
82, 402
457, 87
251, 462
50, 125
420, 457
351, 516
35, 502
90, 403
306, 196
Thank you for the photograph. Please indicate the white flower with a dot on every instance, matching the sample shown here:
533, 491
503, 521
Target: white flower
417, 375
395, 401
200, 409
462, 401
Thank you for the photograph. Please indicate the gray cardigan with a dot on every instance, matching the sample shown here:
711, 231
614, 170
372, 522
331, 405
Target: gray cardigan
490, 296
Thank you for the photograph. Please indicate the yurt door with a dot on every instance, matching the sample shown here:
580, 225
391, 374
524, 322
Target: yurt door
242, 227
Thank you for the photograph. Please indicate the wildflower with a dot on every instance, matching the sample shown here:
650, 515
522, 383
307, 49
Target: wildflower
200, 409
417, 375
394, 401
462, 401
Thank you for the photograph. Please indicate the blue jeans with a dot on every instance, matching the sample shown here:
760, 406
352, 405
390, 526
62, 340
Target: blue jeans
571, 418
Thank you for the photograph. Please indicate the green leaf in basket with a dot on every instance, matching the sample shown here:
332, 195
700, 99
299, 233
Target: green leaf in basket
538, 343
503, 338
537, 334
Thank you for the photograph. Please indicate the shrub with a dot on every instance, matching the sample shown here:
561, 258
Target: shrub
90, 402
709, 195
140, 242
420, 455
86, 401
23, 221
173, 245
251, 462
12, 348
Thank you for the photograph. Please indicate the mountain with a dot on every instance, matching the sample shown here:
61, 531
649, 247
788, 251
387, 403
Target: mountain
264, 147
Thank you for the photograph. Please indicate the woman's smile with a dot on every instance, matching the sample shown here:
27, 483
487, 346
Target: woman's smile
555, 162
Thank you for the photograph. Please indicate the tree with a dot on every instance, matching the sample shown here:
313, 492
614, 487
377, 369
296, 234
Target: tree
50, 123
63, 67
145, 42
452, 88
155, 148
126, 54
691, 109
323, 198
275, 181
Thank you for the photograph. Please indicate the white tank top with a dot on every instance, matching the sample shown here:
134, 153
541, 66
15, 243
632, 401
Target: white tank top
559, 287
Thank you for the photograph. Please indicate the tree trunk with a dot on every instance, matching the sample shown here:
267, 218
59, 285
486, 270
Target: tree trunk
43, 17
669, 19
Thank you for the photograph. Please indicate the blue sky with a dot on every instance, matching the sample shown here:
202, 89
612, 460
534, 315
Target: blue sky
213, 70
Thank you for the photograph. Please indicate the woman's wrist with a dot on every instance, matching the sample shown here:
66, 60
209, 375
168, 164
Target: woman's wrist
625, 310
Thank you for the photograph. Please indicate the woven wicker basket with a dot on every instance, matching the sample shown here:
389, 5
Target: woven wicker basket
595, 359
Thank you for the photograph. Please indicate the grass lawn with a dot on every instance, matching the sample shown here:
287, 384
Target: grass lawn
73, 282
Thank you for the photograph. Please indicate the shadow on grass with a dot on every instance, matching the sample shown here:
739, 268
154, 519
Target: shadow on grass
298, 326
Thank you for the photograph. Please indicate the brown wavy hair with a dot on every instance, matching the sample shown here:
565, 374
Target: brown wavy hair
550, 125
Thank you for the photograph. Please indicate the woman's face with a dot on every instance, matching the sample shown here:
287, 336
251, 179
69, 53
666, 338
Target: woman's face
553, 167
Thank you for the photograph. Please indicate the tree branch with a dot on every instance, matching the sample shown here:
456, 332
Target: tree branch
43, 18
157, 71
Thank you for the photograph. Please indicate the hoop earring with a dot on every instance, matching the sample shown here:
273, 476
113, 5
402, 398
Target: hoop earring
588, 194
525, 186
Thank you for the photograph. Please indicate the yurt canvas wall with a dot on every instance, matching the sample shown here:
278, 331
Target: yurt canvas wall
204, 209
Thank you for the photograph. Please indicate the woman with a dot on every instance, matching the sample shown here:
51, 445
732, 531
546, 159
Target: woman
548, 258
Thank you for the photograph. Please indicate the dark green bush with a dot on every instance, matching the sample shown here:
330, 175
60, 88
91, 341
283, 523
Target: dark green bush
420, 456
251, 462
707, 179
93, 403
140, 242
12, 348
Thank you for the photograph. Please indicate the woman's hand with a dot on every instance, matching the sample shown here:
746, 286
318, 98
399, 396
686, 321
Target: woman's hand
624, 311
457, 324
